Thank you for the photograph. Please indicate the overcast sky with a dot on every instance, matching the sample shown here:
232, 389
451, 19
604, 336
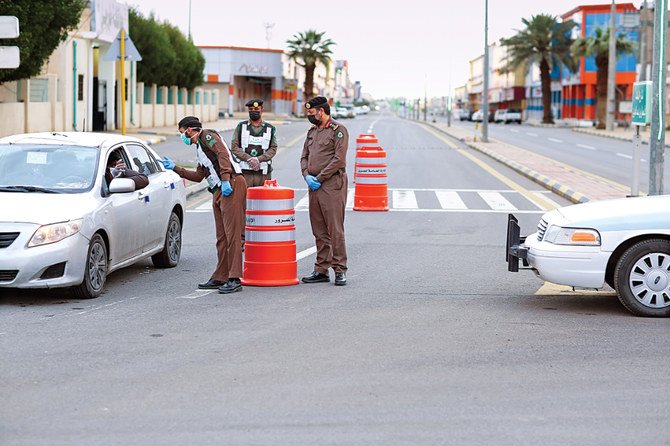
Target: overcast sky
394, 50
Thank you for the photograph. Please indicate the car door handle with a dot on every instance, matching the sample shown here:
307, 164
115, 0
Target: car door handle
141, 196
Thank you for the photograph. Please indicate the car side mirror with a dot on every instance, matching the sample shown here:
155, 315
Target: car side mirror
121, 185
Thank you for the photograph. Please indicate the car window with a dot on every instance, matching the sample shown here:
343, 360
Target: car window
140, 160
55, 168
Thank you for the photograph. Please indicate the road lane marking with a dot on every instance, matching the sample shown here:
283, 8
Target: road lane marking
496, 201
307, 252
303, 203
350, 199
450, 200
543, 195
404, 199
531, 134
537, 201
471, 211
197, 294
555, 140
623, 155
587, 147
514, 130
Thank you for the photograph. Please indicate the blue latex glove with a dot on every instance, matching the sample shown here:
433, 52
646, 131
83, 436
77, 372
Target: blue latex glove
167, 163
226, 189
312, 182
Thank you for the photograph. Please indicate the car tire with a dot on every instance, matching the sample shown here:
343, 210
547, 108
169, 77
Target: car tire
169, 256
642, 278
95, 274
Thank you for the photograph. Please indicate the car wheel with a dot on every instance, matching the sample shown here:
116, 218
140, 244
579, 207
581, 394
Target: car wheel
95, 274
169, 256
642, 278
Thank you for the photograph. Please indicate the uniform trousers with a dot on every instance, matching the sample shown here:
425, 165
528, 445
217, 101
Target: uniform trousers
326, 215
229, 221
255, 177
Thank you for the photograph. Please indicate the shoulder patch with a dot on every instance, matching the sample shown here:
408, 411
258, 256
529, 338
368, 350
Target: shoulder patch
340, 134
208, 137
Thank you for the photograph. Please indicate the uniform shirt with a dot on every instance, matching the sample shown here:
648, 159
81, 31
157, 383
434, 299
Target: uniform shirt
216, 151
325, 151
239, 152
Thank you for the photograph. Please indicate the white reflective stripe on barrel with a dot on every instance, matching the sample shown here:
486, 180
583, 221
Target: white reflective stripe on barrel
270, 205
370, 161
371, 170
271, 220
270, 236
371, 180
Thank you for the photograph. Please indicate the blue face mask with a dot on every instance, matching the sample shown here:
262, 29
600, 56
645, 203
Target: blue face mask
185, 139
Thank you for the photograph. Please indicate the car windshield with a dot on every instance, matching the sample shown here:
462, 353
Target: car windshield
46, 168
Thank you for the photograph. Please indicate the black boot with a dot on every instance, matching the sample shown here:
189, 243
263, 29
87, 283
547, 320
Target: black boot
231, 286
316, 277
340, 279
211, 284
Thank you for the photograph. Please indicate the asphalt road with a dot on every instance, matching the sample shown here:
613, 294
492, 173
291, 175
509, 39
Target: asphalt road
431, 342
607, 157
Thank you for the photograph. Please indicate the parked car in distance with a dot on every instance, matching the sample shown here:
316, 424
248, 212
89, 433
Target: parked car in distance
338, 112
499, 115
623, 242
512, 115
463, 114
63, 225
478, 116
348, 111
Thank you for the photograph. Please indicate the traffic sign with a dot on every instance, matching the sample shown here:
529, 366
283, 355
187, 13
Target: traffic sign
641, 103
114, 51
9, 57
9, 27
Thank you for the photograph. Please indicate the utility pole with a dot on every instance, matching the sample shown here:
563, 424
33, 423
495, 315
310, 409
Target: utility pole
485, 93
189, 21
643, 42
425, 98
658, 75
611, 70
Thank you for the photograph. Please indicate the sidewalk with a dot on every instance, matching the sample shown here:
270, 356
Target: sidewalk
569, 182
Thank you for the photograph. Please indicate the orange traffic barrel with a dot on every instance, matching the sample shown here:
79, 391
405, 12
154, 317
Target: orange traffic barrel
371, 193
366, 139
269, 249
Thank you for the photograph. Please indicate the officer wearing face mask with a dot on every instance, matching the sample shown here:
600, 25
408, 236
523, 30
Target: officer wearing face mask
323, 162
229, 192
254, 145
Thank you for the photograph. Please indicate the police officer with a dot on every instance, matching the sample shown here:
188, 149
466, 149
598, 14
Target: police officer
323, 162
229, 191
254, 144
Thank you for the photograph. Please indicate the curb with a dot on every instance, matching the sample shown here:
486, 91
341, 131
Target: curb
543, 180
605, 135
195, 188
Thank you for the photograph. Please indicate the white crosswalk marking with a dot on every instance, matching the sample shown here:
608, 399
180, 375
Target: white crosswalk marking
496, 201
350, 197
555, 140
450, 199
303, 203
404, 199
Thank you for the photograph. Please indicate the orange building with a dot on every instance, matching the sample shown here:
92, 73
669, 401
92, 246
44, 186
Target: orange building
579, 89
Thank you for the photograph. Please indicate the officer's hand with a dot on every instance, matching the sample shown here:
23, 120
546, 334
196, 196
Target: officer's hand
226, 188
118, 169
312, 182
254, 164
167, 163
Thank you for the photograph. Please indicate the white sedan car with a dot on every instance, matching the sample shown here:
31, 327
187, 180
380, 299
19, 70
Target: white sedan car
63, 225
624, 243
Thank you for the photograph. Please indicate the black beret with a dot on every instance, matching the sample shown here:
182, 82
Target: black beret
254, 103
316, 102
190, 121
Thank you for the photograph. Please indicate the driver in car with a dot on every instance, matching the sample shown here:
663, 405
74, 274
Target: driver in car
116, 168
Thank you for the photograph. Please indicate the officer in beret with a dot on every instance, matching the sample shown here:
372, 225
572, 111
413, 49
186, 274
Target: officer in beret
229, 193
323, 163
254, 145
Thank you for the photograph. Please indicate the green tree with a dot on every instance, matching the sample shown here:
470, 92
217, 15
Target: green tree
189, 65
308, 49
597, 46
43, 25
153, 44
544, 41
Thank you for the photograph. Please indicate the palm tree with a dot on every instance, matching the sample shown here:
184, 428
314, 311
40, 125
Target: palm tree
308, 49
544, 41
597, 46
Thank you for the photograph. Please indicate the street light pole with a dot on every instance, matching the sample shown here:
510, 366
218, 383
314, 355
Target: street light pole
189, 21
485, 93
611, 70
658, 75
643, 42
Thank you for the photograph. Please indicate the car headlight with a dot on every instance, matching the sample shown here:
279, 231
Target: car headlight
54, 233
572, 236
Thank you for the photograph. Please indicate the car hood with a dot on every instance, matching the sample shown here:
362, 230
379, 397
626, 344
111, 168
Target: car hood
40, 208
618, 215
